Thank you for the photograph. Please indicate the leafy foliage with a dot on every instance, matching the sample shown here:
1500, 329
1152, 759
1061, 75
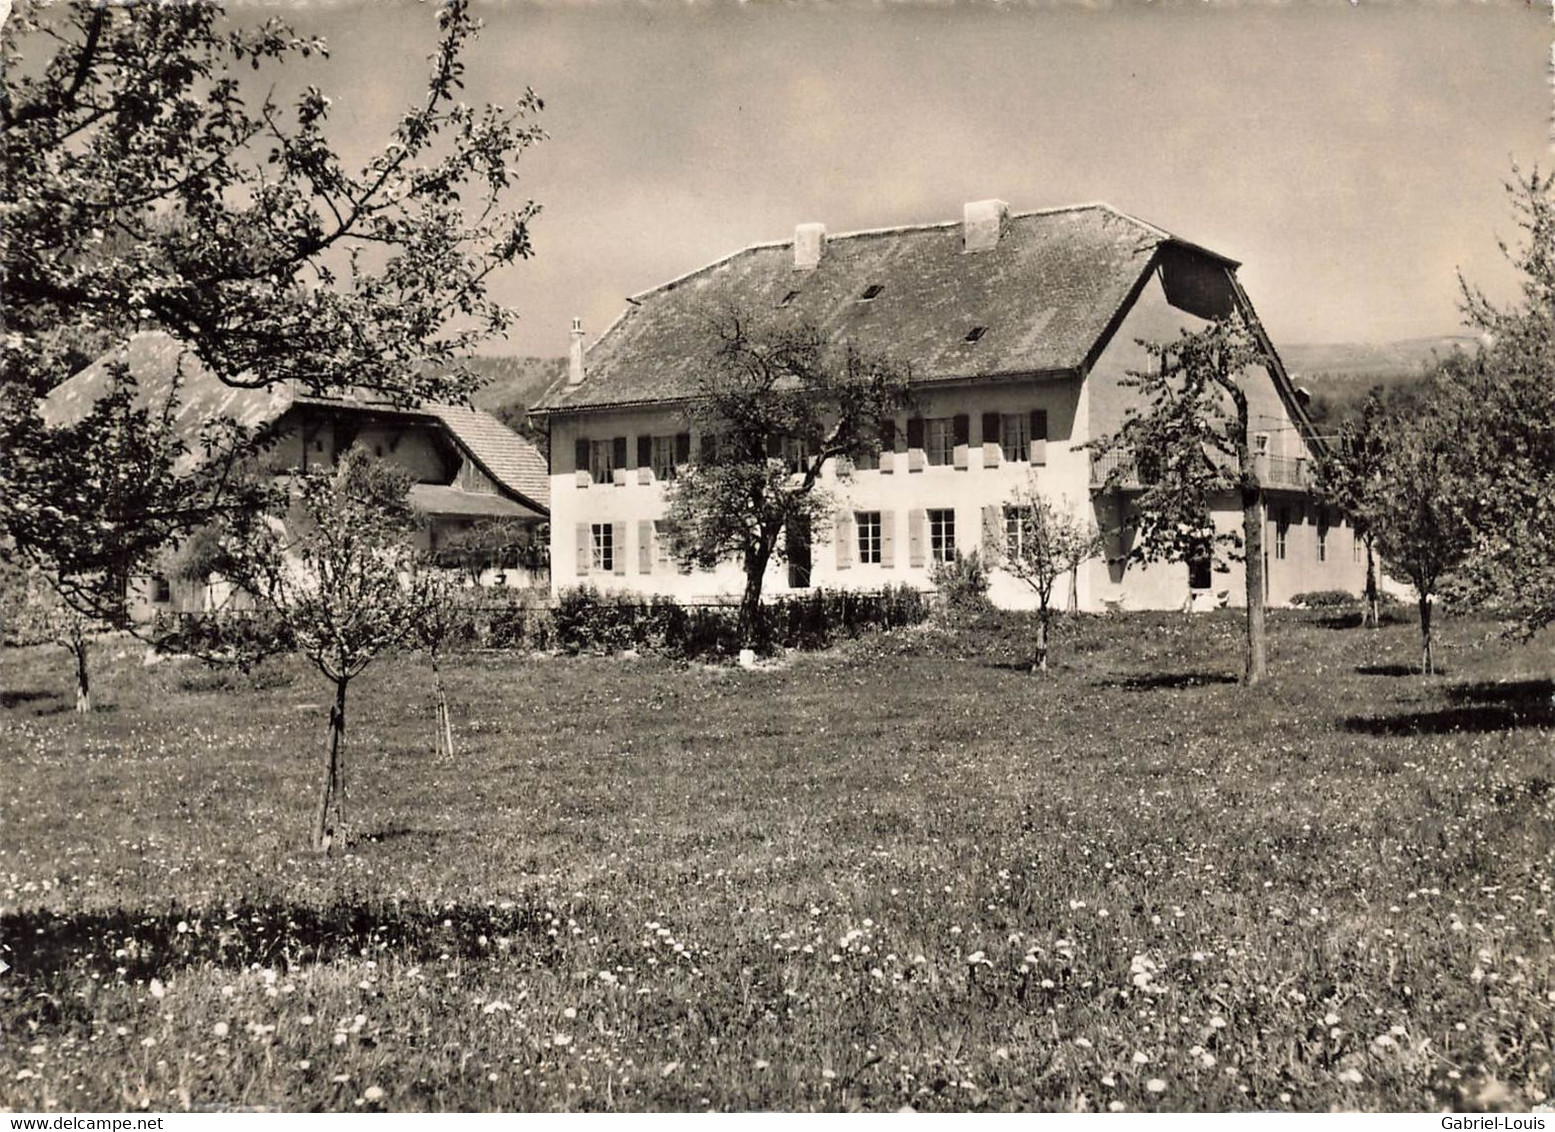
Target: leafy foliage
1040, 544
336, 570
1502, 403
1353, 475
775, 406
1187, 445
962, 584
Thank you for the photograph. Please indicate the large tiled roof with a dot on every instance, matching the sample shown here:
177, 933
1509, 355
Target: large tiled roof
158, 362
1045, 296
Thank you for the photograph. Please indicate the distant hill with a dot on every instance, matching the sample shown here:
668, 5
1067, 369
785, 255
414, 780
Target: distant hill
1364, 360
1339, 375
514, 381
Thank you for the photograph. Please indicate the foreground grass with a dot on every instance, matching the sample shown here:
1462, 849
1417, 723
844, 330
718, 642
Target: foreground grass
905, 872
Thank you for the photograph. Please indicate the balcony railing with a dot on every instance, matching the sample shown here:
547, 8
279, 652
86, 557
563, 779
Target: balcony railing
1273, 471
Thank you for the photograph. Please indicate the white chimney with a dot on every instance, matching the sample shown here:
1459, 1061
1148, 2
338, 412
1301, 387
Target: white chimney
575, 354
809, 243
983, 221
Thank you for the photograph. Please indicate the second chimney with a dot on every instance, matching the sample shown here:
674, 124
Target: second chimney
575, 354
809, 244
983, 221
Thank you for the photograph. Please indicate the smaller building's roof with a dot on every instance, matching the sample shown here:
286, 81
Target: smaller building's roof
161, 365
507, 457
446, 500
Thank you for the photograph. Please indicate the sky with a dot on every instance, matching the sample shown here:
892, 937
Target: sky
1352, 157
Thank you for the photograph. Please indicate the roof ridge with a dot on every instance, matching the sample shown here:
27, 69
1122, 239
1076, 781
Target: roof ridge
887, 230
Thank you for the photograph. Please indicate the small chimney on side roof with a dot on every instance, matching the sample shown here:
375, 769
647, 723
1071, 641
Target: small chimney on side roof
982, 223
809, 245
575, 354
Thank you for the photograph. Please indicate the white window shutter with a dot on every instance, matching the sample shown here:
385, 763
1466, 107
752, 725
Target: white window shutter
842, 535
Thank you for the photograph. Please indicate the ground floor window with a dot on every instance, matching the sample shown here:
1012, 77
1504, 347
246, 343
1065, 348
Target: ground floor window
1322, 541
1014, 532
161, 589
1199, 574
942, 534
604, 557
1281, 526
868, 524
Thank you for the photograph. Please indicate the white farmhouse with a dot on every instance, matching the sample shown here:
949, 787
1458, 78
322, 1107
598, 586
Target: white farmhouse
1019, 329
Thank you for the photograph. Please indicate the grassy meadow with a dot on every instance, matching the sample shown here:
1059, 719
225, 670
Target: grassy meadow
901, 872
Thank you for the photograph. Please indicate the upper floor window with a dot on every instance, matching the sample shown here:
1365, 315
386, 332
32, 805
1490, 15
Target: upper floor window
868, 525
1015, 436
602, 463
942, 534
939, 439
663, 457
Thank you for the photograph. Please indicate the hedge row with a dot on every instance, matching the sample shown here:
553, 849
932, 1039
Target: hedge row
586, 620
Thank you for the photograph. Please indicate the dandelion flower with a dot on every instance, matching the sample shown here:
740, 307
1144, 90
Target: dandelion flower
372, 1093
157, 988
1141, 1057
561, 1040
1116, 1106
221, 1029
1155, 1085
570, 1012
829, 1074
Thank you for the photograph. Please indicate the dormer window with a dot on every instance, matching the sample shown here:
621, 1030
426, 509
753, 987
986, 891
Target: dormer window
871, 292
976, 333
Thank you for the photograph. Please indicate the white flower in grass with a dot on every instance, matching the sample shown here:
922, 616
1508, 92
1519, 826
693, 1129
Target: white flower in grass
221, 1029
561, 1040
1351, 1076
158, 989
1141, 1057
1116, 1106
1155, 1085
372, 1093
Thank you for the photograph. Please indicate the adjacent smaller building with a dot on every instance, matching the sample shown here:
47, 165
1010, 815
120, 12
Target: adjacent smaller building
468, 467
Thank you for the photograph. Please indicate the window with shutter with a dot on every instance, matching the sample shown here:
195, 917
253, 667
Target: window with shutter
842, 539
888, 539
1015, 437
942, 534
991, 446
618, 540
585, 549
868, 523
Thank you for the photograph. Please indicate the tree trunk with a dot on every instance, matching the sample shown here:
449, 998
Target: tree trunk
1373, 613
1252, 538
1042, 626
332, 797
1427, 653
444, 725
1074, 589
750, 626
78, 647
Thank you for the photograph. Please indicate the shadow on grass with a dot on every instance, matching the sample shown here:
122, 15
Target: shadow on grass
53, 949
1492, 706
1145, 682
1390, 670
17, 699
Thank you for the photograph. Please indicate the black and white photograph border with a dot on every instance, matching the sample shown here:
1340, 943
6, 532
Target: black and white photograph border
737, 557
